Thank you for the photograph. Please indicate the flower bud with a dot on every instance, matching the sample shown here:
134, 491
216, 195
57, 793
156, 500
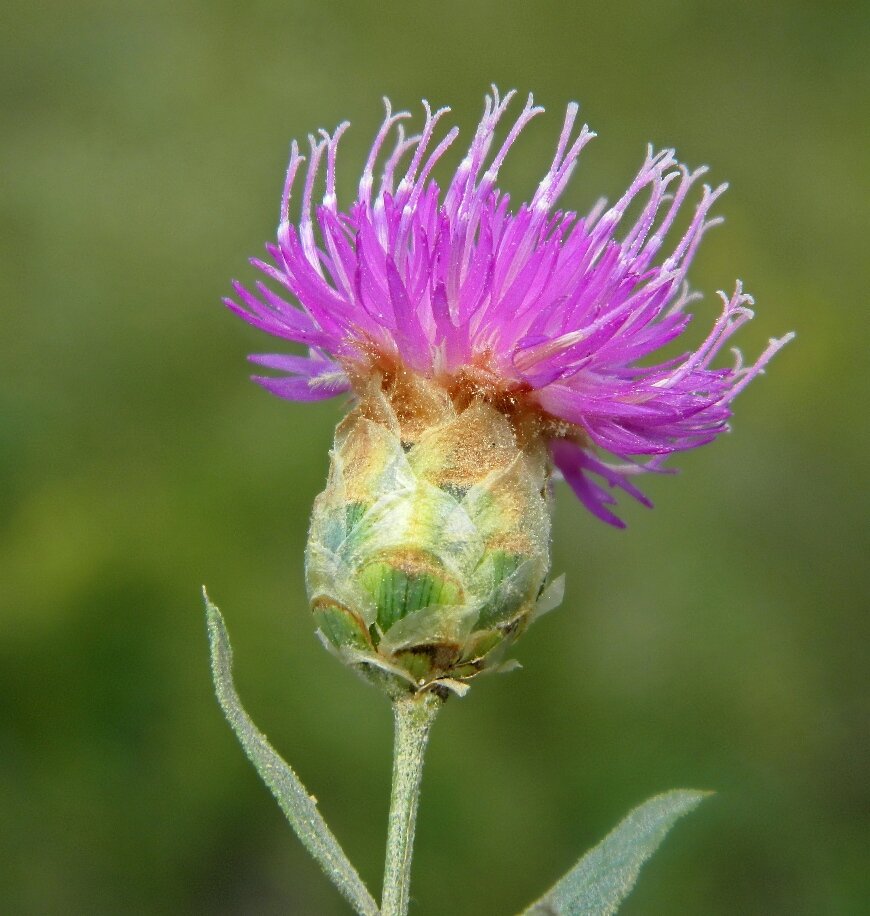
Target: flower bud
429, 547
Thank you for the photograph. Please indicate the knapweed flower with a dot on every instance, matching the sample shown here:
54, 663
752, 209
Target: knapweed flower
485, 347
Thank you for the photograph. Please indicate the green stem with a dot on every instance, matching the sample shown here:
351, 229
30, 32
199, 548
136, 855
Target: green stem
414, 715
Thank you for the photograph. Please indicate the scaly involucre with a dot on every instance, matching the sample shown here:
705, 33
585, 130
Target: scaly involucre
554, 311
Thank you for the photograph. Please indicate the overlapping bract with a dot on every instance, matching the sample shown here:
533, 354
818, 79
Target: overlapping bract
563, 310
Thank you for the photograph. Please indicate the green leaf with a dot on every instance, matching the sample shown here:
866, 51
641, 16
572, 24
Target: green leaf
294, 799
603, 878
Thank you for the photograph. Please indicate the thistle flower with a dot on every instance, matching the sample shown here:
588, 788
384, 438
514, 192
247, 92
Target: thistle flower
486, 348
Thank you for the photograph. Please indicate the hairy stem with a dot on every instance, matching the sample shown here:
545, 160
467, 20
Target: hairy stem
414, 715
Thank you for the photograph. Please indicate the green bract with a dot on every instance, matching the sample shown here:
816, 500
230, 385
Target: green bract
429, 547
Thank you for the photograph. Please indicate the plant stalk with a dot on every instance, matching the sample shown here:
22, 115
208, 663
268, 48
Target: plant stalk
414, 715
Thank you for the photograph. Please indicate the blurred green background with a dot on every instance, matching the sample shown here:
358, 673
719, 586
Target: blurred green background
717, 643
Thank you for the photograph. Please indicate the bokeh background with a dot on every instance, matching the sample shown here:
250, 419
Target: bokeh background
719, 642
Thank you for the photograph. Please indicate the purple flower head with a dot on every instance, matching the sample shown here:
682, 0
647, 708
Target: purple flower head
553, 313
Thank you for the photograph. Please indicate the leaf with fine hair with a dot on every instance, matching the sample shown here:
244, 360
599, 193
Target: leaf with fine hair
603, 878
297, 804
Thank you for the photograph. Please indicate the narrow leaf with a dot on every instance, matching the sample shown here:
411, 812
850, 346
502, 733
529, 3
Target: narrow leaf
294, 799
603, 878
